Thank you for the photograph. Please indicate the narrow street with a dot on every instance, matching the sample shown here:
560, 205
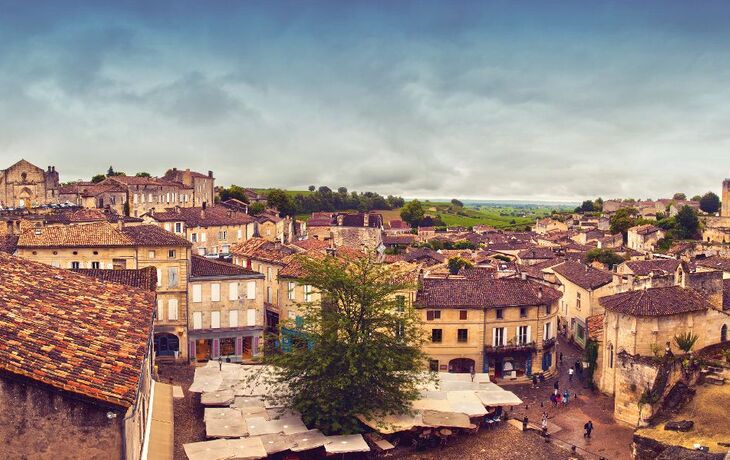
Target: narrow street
609, 439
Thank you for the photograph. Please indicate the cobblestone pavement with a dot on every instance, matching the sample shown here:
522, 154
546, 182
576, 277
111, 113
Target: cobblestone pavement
609, 439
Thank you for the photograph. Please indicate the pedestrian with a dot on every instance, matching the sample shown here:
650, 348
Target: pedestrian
544, 424
570, 374
558, 399
556, 385
588, 427
553, 400
525, 421
566, 395
534, 380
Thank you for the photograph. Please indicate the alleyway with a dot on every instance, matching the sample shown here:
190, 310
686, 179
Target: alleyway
609, 439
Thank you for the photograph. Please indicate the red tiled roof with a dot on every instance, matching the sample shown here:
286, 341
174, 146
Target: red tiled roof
73, 332
398, 225
595, 326
398, 239
656, 266
537, 252
152, 235
718, 263
214, 216
311, 243
263, 250
645, 229
583, 275
8, 243
479, 292
96, 234
201, 267
660, 301
143, 278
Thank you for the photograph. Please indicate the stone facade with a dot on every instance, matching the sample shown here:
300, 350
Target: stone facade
26, 185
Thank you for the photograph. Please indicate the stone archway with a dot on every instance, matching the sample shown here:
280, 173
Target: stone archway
167, 345
25, 197
462, 366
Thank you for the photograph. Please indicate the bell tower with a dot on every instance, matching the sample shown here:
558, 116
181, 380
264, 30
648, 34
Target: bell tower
725, 198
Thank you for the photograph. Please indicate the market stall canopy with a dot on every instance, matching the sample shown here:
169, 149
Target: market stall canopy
344, 444
224, 449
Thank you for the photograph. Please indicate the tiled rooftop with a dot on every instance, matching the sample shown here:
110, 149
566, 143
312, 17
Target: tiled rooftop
73, 332
201, 267
143, 278
583, 275
660, 301
462, 292
98, 234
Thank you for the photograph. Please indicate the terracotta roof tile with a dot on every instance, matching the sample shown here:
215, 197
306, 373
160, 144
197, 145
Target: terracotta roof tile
655, 266
660, 301
263, 250
152, 235
98, 335
214, 216
201, 267
8, 243
143, 278
478, 292
718, 263
583, 275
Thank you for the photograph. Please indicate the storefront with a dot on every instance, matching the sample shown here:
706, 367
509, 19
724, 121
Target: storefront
231, 345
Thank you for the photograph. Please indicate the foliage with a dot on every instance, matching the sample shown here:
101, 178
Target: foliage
696, 198
233, 192
361, 355
502, 258
679, 196
324, 199
590, 354
342, 190
685, 341
710, 203
605, 256
280, 200
98, 178
664, 244
256, 208
457, 203
457, 263
688, 224
143, 174
586, 206
111, 173
622, 220
312, 188
412, 213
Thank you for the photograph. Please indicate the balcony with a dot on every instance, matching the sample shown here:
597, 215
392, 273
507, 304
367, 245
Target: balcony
549, 343
512, 346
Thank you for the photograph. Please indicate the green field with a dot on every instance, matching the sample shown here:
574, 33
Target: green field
498, 216
292, 193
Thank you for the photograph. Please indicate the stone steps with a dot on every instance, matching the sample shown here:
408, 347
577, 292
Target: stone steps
714, 380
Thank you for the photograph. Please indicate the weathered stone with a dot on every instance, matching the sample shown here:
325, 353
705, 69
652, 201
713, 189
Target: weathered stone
681, 425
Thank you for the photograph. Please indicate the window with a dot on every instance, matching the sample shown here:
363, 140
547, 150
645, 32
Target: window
167, 227
223, 235
463, 315
172, 277
498, 336
194, 237
268, 294
577, 301
233, 318
290, 290
121, 264
215, 292
500, 313
159, 277
268, 274
307, 293
580, 331
462, 335
400, 303
251, 317
171, 254
227, 346
197, 293
233, 291
251, 290
178, 227
433, 365
151, 254
523, 312
95, 265
202, 237
400, 329
548, 309
75, 265
197, 320
433, 314
215, 319
172, 309
436, 335
160, 310
523, 335
547, 335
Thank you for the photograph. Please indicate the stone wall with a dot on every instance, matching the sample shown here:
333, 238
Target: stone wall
41, 423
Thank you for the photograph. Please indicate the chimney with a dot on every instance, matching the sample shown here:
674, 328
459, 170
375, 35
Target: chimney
210, 174
202, 212
53, 168
205, 205
49, 169
523, 276
174, 169
187, 170
366, 220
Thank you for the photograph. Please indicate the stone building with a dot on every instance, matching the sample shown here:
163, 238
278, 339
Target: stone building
102, 245
211, 230
203, 185
355, 230
506, 327
75, 364
226, 314
644, 238
110, 195
24, 185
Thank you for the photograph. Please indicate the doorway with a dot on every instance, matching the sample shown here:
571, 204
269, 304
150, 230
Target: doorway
462, 366
202, 349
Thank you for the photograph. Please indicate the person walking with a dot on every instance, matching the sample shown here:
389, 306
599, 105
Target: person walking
566, 395
525, 422
570, 374
534, 380
556, 385
544, 424
588, 427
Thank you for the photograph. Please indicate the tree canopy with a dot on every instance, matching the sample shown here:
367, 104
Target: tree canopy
233, 192
587, 206
359, 352
605, 256
457, 203
679, 196
412, 212
622, 220
455, 264
688, 224
324, 199
710, 203
143, 174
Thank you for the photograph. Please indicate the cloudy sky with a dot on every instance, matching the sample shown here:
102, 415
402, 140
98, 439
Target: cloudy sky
515, 99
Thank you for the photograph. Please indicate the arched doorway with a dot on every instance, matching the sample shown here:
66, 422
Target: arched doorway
167, 345
25, 197
723, 333
462, 366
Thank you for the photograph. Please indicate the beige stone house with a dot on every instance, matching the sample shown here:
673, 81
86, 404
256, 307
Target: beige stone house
506, 327
547, 225
203, 185
582, 286
211, 230
226, 315
102, 245
644, 238
355, 230
111, 195
24, 185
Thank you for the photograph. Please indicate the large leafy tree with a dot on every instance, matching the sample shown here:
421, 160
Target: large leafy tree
358, 351
710, 203
605, 256
234, 192
622, 220
687, 223
679, 196
279, 199
412, 212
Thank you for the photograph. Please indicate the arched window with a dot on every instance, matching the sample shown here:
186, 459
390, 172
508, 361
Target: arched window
166, 344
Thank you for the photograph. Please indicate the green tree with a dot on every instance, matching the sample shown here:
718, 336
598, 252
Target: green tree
605, 256
359, 352
696, 198
256, 208
587, 206
686, 341
598, 204
233, 192
457, 263
283, 203
412, 212
622, 220
679, 196
111, 173
457, 203
342, 190
98, 178
312, 188
710, 203
143, 174
688, 224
